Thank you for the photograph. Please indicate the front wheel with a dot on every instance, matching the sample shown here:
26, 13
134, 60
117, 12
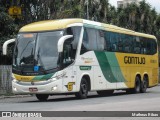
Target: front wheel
42, 97
82, 94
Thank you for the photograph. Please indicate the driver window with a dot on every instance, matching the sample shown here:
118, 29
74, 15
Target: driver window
70, 46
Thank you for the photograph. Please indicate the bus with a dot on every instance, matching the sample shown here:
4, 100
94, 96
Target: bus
75, 56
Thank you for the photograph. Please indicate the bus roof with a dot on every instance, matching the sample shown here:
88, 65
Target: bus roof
49, 25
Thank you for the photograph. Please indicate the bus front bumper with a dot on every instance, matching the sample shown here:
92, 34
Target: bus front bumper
37, 88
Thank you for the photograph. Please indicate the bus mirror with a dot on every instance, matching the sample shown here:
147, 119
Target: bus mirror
5, 45
61, 42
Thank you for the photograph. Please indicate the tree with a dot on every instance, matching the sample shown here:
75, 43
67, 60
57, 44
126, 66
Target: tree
7, 25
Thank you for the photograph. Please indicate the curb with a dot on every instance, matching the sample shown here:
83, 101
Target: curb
14, 96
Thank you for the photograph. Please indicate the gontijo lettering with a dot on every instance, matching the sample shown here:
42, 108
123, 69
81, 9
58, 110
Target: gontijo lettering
134, 60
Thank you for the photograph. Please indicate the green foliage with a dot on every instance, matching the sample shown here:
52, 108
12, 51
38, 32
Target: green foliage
7, 26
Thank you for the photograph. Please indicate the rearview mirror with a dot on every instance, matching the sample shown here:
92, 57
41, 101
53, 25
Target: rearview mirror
61, 42
5, 45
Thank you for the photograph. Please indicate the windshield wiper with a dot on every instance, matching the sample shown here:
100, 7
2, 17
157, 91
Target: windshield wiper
23, 51
40, 60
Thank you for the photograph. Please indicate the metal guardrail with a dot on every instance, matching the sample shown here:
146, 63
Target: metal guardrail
5, 79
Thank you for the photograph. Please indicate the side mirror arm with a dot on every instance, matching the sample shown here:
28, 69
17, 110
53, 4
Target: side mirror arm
61, 42
5, 45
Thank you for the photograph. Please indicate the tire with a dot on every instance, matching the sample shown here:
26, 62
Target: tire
42, 97
105, 92
82, 94
144, 85
136, 88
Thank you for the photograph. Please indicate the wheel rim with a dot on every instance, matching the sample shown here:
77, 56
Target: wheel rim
144, 85
84, 88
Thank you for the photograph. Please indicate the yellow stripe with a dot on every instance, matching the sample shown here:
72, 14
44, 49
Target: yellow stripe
49, 25
23, 78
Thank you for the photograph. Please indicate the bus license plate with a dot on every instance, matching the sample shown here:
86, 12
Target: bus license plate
33, 89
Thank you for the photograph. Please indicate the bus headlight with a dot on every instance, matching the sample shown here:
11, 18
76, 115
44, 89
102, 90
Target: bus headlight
14, 88
54, 88
14, 80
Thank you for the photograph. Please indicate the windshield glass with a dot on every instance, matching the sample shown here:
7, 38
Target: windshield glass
46, 49
36, 50
24, 50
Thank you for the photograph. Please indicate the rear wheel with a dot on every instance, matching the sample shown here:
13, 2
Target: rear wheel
82, 94
144, 85
137, 86
42, 97
105, 92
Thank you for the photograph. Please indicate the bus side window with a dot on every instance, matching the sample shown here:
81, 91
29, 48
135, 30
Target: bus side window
100, 40
89, 40
92, 38
136, 45
85, 42
154, 46
114, 42
151, 46
107, 45
76, 33
127, 42
120, 43
143, 45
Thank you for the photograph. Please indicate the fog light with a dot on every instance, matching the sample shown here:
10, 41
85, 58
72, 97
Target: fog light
54, 88
14, 88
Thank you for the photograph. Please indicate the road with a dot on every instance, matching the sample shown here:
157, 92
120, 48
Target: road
119, 101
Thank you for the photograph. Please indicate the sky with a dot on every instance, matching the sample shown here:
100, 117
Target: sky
153, 3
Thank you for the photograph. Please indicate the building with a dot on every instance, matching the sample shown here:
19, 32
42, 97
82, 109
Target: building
124, 3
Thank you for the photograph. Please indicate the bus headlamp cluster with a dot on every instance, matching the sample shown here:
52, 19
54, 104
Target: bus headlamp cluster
14, 88
54, 88
15, 81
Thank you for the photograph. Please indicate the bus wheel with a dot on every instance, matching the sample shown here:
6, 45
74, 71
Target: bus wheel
136, 88
42, 97
137, 85
105, 92
82, 94
144, 85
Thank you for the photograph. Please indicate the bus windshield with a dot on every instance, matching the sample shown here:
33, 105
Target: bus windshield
37, 49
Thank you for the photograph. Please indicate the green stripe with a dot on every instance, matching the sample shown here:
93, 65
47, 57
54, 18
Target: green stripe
110, 67
43, 77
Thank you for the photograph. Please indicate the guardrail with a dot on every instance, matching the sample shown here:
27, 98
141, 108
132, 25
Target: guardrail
5, 79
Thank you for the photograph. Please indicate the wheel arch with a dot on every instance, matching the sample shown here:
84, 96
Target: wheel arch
139, 76
87, 77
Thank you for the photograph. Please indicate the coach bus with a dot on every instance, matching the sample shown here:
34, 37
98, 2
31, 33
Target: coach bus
75, 56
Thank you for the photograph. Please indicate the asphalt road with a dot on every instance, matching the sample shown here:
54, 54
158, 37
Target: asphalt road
119, 101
